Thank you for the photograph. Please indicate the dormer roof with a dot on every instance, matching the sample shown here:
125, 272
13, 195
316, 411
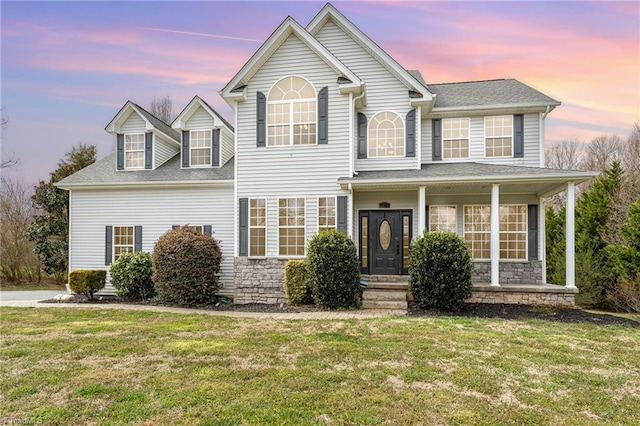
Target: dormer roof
152, 123
197, 102
235, 90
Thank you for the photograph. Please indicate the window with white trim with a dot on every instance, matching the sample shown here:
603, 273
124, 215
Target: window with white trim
257, 226
198, 229
386, 135
498, 136
291, 226
443, 218
134, 151
200, 147
123, 241
455, 138
326, 213
477, 230
291, 113
513, 231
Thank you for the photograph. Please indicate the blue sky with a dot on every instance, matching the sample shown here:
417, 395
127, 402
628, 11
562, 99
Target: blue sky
67, 67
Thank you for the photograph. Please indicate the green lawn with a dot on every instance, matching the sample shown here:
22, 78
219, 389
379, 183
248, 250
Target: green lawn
78, 366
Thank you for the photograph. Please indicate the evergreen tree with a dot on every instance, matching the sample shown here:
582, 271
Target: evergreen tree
50, 229
555, 244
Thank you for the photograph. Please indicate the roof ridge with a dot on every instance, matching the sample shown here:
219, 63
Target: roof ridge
472, 81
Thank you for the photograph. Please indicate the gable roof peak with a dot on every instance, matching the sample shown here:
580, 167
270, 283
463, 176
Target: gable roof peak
152, 122
197, 101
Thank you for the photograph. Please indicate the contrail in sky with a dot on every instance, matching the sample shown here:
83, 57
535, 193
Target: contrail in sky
200, 34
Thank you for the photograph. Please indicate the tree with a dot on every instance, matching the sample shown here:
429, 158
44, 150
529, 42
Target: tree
566, 155
17, 260
6, 162
602, 152
50, 229
162, 108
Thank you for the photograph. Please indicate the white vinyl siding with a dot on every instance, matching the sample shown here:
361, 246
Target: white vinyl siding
163, 149
226, 142
156, 210
384, 91
133, 124
476, 143
289, 172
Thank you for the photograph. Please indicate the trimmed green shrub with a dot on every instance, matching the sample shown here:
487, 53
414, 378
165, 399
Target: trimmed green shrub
131, 276
186, 263
440, 270
295, 283
333, 270
87, 281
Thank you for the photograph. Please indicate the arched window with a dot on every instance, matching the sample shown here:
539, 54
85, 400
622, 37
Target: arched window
291, 113
386, 135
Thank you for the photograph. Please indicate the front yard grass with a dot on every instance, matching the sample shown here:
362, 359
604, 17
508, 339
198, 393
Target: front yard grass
78, 366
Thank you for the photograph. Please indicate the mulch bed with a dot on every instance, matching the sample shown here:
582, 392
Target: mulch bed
475, 310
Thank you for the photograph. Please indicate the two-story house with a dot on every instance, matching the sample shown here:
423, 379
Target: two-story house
331, 132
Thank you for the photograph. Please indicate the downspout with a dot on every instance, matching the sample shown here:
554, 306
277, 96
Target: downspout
542, 117
352, 169
350, 212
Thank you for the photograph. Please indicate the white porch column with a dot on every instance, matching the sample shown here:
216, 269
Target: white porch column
422, 213
542, 237
495, 234
570, 237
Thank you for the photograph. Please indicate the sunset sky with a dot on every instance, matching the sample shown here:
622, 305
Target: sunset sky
67, 67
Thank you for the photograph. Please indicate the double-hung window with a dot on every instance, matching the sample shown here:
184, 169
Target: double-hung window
442, 218
291, 113
455, 138
257, 227
200, 147
386, 135
498, 136
123, 241
291, 226
477, 230
513, 231
134, 151
326, 213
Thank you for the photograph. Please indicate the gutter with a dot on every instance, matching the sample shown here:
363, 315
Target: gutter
135, 185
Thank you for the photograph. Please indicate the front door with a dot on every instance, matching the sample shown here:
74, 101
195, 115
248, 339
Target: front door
385, 249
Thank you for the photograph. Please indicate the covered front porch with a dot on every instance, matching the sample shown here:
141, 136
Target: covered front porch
497, 209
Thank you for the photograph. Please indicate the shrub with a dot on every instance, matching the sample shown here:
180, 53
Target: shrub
295, 283
131, 276
626, 297
87, 281
333, 270
185, 267
440, 270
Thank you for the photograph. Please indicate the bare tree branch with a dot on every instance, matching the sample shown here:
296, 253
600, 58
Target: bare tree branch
566, 155
162, 108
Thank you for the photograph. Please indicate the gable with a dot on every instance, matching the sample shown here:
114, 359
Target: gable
200, 119
133, 124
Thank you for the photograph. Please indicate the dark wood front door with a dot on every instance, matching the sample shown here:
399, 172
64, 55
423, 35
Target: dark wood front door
385, 247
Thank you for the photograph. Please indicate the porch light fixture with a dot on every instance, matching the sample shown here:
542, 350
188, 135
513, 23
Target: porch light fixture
384, 205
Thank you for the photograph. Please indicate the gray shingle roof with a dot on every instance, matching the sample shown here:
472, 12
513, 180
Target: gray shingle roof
443, 171
158, 124
487, 93
103, 172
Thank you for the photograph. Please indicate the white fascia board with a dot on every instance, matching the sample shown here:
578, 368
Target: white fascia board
114, 125
180, 121
135, 185
289, 26
329, 11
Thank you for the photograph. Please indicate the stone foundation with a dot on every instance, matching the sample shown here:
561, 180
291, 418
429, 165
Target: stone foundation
540, 294
258, 280
529, 272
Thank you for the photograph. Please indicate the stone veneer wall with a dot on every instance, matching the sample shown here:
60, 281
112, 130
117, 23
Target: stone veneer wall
529, 272
258, 280
541, 295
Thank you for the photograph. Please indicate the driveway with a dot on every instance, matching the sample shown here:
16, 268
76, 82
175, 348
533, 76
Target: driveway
10, 296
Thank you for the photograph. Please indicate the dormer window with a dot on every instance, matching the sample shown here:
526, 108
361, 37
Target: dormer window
200, 148
291, 113
386, 135
134, 151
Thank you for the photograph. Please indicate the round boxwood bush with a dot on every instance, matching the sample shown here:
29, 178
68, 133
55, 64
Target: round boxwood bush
186, 263
295, 283
333, 270
87, 281
440, 271
131, 276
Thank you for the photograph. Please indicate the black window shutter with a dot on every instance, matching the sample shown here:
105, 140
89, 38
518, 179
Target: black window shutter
148, 150
323, 115
426, 218
532, 234
108, 245
207, 229
341, 222
362, 135
175, 226
261, 119
215, 146
120, 149
436, 140
518, 136
243, 249
137, 238
185, 148
411, 133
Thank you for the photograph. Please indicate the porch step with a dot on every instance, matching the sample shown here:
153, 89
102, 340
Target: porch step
385, 296
388, 286
384, 304
385, 278
382, 295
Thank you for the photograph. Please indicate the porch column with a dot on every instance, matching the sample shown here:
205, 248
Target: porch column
422, 213
570, 237
495, 235
542, 238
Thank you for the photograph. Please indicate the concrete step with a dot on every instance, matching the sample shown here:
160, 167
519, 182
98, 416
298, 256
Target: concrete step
385, 278
384, 304
389, 295
387, 286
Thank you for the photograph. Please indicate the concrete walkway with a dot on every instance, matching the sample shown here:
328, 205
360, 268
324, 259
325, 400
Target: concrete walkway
11, 295
323, 315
